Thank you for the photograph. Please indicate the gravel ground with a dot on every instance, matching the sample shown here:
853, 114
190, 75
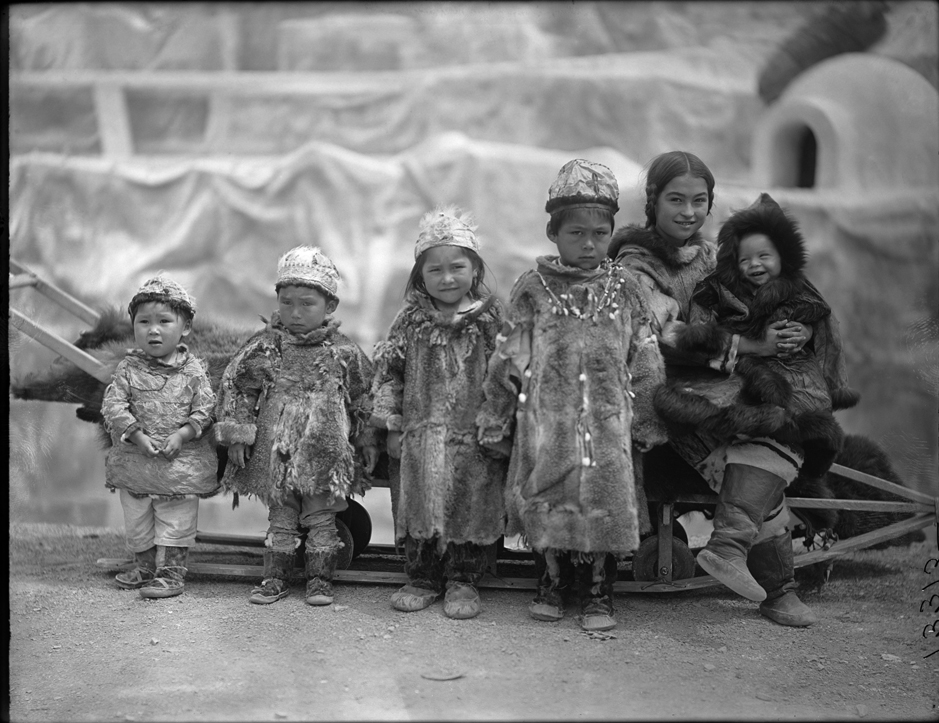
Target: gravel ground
83, 650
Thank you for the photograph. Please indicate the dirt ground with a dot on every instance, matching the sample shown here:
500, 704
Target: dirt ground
83, 650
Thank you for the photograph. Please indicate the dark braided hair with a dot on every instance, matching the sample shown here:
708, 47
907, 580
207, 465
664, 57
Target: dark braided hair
667, 166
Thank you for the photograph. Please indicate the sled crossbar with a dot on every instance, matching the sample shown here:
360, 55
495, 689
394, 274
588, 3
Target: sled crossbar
20, 277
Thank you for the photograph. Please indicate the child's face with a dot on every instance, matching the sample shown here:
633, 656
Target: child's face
303, 308
158, 329
448, 276
583, 238
757, 259
681, 209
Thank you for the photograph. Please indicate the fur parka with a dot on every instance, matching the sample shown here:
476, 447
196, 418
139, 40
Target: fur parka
428, 384
302, 403
571, 383
159, 398
788, 399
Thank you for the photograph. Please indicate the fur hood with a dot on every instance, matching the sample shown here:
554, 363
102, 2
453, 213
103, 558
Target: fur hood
767, 217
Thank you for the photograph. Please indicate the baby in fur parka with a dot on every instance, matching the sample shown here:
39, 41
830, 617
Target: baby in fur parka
759, 280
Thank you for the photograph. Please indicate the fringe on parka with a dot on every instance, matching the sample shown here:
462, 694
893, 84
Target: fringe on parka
159, 398
428, 384
571, 381
787, 399
302, 403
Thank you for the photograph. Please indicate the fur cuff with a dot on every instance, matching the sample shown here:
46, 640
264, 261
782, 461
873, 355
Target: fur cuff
844, 398
702, 338
229, 433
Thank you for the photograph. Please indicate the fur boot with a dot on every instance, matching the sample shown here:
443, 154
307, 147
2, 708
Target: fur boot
596, 592
555, 582
140, 575
771, 563
170, 573
320, 567
746, 497
274, 587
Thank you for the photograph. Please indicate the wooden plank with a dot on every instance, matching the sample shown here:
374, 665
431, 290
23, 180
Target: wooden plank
80, 358
862, 505
113, 121
852, 544
883, 484
25, 277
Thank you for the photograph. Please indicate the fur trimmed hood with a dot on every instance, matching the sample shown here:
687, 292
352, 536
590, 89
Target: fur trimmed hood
648, 240
767, 217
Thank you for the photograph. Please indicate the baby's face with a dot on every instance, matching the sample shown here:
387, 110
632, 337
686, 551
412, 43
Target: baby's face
158, 329
757, 259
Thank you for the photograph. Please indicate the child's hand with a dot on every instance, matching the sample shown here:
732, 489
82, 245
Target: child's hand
792, 337
370, 453
239, 454
172, 446
394, 444
145, 443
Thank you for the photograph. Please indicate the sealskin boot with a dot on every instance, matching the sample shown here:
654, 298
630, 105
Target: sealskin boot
170, 574
771, 563
320, 566
554, 581
461, 601
596, 602
274, 586
746, 496
140, 575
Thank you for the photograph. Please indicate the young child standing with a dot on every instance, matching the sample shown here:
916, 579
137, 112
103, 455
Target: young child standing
157, 409
572, 380
448, 498
758, 280
293, 410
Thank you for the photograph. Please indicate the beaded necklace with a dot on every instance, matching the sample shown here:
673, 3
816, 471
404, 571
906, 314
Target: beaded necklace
563, 304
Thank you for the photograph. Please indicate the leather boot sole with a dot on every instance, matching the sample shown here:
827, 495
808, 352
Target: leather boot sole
789, 610
545, 612
740, 581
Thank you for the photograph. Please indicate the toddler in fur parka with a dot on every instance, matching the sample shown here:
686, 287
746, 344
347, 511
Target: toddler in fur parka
293, 410
447, 490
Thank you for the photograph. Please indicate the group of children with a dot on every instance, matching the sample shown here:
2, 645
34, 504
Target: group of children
528, 420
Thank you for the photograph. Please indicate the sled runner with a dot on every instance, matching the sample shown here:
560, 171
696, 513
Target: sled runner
663, 563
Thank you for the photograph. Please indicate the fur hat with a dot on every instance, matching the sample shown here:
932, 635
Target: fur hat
164, 289
446, 226
764, 216
308, 266
583, 184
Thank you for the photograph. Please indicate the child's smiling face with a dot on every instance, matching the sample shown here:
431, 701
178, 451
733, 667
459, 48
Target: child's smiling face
757, 259
158, 329
303, 308
681, 209
583, 238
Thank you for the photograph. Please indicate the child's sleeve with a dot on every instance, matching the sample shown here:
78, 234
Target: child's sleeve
203, 400
388, 380
115, 406
505, 385
359, 375
645, 372
240, 390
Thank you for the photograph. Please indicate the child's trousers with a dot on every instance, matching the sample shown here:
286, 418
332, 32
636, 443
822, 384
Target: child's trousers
150, 521
312, 511
428, 569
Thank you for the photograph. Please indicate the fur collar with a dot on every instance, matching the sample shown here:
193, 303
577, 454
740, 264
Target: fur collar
421, 308
631, 240
551, 266
312, 338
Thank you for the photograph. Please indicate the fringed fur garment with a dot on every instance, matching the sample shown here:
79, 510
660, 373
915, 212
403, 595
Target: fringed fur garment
428, 384
572, 381
302, 402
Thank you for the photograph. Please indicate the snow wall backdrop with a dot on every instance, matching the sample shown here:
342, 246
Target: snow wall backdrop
207, 139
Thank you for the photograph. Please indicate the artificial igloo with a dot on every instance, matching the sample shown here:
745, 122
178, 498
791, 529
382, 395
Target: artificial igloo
856, 122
